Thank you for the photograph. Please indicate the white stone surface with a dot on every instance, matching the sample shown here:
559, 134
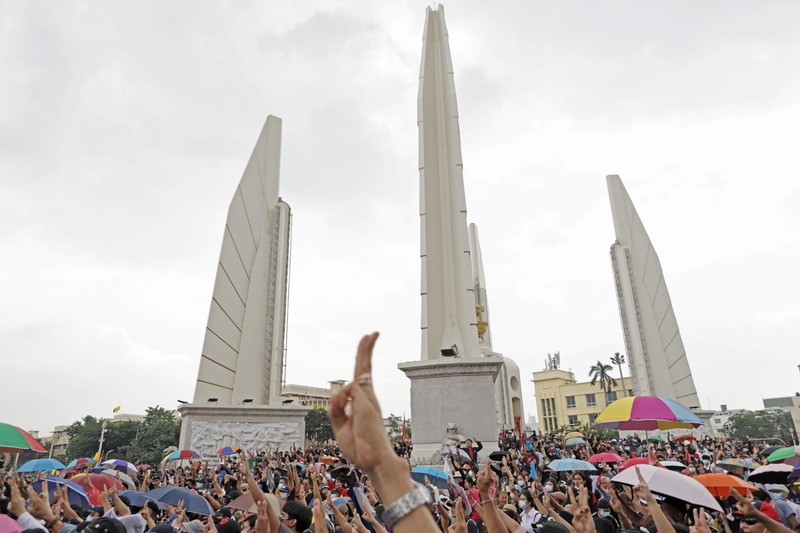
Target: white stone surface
448, 300
656, 355
243, 351
453, 391
206, 429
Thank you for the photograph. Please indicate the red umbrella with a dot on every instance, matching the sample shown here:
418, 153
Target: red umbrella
633, 462
99, 481
605, 456
682, 438
16, 440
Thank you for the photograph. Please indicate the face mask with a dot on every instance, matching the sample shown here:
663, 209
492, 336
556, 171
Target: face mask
693, 470
604, 514
523, 504
775, 495
284, 495
198, 486
548, 488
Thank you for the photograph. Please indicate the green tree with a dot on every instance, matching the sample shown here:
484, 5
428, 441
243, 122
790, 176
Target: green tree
760, 424
318, 425
160, 429
84, 437
396, 428
601, 373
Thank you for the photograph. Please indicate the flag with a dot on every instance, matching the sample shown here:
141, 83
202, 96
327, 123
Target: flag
98, 455
117, 408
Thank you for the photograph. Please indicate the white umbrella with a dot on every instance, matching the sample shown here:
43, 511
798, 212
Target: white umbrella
669, 483
673, 465
125, 479
456, 453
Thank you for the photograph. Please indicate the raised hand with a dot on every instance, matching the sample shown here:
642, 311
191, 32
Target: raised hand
700, 522
262, 521
460, 524
642, 490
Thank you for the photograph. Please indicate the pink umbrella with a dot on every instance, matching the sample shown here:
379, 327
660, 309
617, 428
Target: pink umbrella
633, 462
605, 456
9, 525
669, 483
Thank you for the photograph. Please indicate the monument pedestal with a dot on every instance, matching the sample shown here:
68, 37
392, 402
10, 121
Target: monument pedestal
207, 428
452, 395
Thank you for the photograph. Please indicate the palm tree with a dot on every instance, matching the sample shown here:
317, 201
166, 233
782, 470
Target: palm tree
602, 372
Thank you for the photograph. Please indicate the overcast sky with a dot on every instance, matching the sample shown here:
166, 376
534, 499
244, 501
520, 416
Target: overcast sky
125, 128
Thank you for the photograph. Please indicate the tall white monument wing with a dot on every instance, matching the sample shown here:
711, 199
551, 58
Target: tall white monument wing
448, 302
242, 355
656, 354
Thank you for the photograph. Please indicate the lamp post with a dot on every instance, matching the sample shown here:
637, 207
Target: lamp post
618, 359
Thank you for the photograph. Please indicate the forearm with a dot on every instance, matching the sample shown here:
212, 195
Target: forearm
254, 489
662, 522
771, 525
392, 481
119, 506
494, 523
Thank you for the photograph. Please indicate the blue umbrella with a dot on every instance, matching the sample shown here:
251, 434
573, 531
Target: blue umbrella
139, 499
39, 465
436, 476
572, 465
75, 493
193, 502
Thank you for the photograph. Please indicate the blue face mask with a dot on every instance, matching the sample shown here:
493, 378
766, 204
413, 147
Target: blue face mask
776, 495
604, 514
198, 486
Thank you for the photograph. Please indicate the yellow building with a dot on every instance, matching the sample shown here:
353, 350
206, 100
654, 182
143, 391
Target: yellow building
562, 401
311, 396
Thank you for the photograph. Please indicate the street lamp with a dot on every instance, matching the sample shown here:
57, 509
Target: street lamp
108, 452
618, 359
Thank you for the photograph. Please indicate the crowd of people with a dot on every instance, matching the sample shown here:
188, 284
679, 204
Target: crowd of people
363, 484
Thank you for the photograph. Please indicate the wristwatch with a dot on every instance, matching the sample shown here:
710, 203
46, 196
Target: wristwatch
403, 506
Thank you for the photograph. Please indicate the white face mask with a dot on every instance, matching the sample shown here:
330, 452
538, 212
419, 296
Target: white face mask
548, 488
523, 504
604, 514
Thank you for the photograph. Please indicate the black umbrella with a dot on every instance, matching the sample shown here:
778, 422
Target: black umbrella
769, 450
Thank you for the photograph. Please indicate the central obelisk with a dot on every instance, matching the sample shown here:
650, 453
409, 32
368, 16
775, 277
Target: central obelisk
453, 385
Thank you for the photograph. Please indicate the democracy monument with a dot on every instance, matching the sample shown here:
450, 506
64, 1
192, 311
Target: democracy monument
237, 398
460, 387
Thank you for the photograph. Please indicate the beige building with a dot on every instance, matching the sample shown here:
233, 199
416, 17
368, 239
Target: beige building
562, 401
311, 396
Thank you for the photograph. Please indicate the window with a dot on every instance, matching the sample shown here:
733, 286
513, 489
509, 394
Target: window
591, 400
570, 401
611, 396
718, 421
592, 417
630, 392
573, 420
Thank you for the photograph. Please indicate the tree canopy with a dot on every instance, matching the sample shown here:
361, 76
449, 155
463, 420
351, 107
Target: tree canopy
144, 440
760, 424
318, 425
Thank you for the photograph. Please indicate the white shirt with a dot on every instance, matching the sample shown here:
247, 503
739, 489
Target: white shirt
134, 523
529, 517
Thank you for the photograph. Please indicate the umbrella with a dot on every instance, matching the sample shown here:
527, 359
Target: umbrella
498, 455
245, 503
573, 434
571, 465
16, 440
123, 466
633, 462
329, 460
142, 467
575, 441
646, 413
720, 485
436, 476
39, 465
727, 464
456, 453
8, 524
229, 450
787, 455
669, 483
673, 465
125, 479
75, 493
99, 482
681, 438
140, 499
182, 454
193, 502
608, 457
774, 473
78, 463
768, 450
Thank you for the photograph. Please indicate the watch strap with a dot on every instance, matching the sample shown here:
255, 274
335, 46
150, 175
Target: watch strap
405, 504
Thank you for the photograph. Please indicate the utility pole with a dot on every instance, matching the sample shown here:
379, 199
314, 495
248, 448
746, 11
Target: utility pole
618, 359
102, 437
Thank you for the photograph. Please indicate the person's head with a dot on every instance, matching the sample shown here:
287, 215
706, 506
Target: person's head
778, 492
752, 525
603, 508
525, 500
469, 443
578, 479
296, 516
502, 499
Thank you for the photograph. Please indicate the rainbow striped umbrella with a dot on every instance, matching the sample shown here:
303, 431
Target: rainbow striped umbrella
647, 413
182, 454
16, 440
229, 450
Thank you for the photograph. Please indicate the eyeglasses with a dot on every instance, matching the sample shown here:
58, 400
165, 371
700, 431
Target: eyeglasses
750, 521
